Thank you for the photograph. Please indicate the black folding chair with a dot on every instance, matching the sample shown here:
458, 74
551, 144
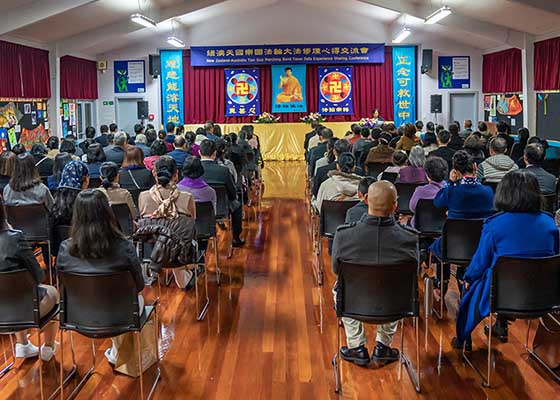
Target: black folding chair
206, 230
550, 203
460, 239
19, 310
33, 221
389, 176
405, 192
124, 218
374, 169
223, 213
101, 306
522, 288
135, 193
492, 185
332, 215
429, 219
94, 183
379, 294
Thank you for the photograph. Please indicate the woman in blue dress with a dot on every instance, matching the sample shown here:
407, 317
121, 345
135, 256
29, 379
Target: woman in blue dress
520, 229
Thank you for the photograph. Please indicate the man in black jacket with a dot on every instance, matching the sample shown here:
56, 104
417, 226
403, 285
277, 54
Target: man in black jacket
322, 174
534, 157
318, 151
217, 175
309, 135
456, 142
356, 213
444, 151
376, 239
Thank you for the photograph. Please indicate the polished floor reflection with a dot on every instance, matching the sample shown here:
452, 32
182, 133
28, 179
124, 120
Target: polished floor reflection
270, 332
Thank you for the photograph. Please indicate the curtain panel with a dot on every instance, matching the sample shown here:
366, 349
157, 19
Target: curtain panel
547, 64
78, 78
502, 72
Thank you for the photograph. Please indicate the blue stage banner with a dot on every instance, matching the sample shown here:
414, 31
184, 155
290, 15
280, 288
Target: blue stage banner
129, 76
335, 91
404, 84
172, 86
356, 53
288, 88
454, 72
242, 92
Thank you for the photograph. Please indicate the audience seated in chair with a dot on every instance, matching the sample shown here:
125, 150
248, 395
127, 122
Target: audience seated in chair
436, 171
111, 188
318, 151
157, 149
399, 160
362, 143
474, 145
180, 151
387, 242
382, 153
165, 201
7, 165
520, 229
43, 163
97, 246
194, 184
322, 174
142, 143
414, 171
342, 184
498, 165
60, 161
534, 155
95, 156
356, 213
116, 154
409, 139
456, 142
444, 151
134, 176
53, 142
429, 143
329, 156
25, 186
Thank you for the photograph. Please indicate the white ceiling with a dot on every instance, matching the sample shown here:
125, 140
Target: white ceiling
93, 27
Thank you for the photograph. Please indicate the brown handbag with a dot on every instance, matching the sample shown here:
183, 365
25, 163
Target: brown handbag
546, 343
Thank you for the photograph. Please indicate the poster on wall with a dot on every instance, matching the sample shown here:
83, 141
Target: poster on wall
172, 86
22, 127
506, 107
288, 88
242, 92
404, 84
336, 91
68, 117
129, 76
454, 72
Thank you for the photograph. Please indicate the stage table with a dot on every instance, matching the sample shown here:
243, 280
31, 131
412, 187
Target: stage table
281, 141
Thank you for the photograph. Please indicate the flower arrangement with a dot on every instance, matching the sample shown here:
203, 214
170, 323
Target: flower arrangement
266, 118
313, 117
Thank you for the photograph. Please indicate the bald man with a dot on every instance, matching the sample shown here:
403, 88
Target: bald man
376, 239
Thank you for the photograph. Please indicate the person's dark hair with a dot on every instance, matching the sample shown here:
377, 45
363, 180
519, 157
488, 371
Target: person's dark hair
523, 135
193, 168
109, 173
158, 148
534, 153
375, 110
111, 137
463, 162
498, 145
439, 128
385, 138
95, 154
138, 129
113, 127
233, 137
518, 192
133, 156
288, 69
399, 158
444, 136
165, 168
346, 162
400, 131
376, 133
38, 149
200, 131
356, 129
179, 141
53, 143
419, 125
63, 206
327, 133
60, 161
190, 137
90, 132
472, 144
151, 136
94, 226
437, 169
104, 129
429, 139
453, 129
19, 149
161, 134
7, 163
365, 183
330, 150
170, 127
221, 149
207, 148
482, 127
217, 130
342, 146
502, 127
430, 127
409, 131
67, 146
468, 124
25, 174
150, 126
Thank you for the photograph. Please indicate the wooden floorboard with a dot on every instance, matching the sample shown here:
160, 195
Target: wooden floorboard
271, 333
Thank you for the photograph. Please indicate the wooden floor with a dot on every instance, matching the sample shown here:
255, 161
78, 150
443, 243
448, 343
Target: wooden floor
271, 333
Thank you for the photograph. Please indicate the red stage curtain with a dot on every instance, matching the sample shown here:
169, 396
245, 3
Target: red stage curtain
547, 64
502, 72
205, 92
24, 71
78, 78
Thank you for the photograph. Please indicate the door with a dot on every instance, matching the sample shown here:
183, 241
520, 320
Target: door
85, 116
127, 114
463, 106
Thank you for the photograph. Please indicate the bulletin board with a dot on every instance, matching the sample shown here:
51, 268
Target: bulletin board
548, 116
23, 121
68, 118
504, 107
454, 72
130, 76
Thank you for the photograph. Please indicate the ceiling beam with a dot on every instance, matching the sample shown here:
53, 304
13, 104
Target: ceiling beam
88, 39
545, 5
455, 21
36, 11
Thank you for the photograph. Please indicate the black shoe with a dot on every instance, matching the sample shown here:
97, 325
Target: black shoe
498, 331
238, 243
358, 355
456, 344
385, 354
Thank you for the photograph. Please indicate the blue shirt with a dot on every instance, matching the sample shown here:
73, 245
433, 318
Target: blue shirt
179, 156
145, 149
466, 199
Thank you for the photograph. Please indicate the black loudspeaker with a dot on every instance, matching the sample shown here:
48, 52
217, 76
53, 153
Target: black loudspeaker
435, 103
154, 66
427, 57
142, 110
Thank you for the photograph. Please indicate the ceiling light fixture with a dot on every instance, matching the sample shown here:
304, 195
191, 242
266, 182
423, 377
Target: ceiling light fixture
438, 15
175, 41
402, 35
141, 19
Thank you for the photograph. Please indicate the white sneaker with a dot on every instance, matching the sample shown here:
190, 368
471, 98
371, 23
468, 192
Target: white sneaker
28, 350
47, 352
112, 358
